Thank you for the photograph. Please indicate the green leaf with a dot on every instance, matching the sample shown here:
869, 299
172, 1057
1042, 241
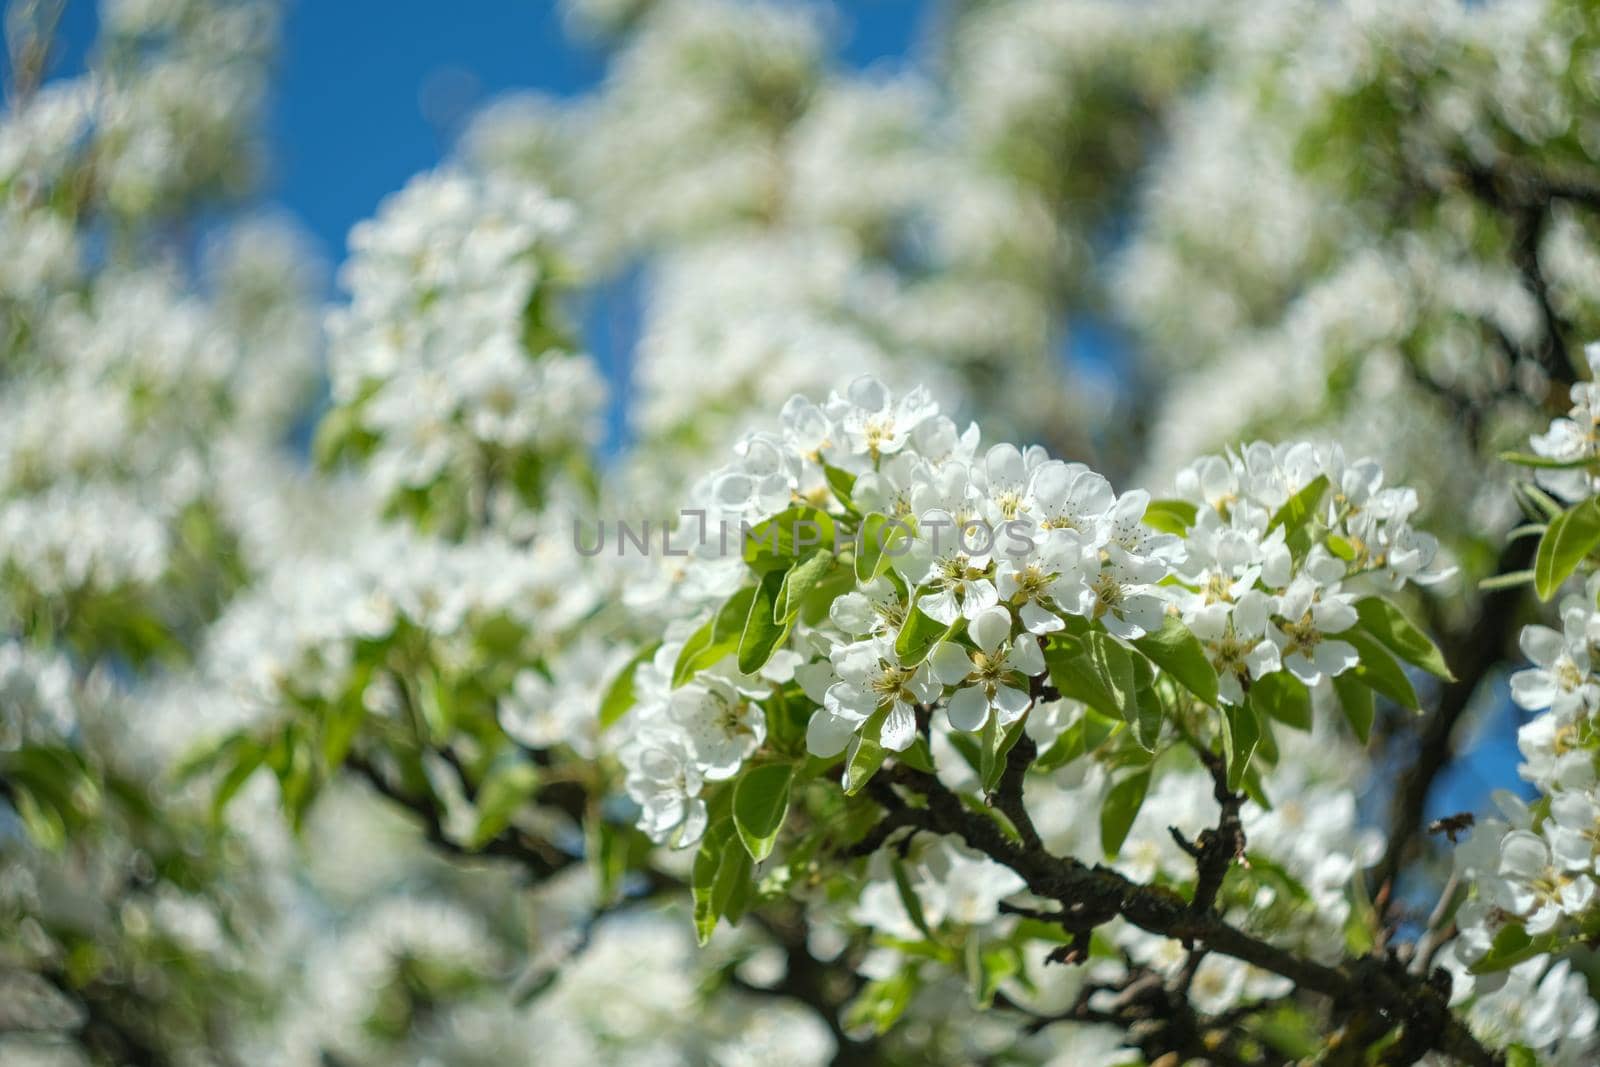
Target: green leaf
719, 637
1147, 729
244, 759
997, 745
1525, 459
1170, 516
730, 894
1086, 734
763, 631
880, 1003
1401, 636
1097, 670
1239, 740
1521, 1056
760, 804
1572, 535
799, 582
1283, 697
1511, 946
865, 755
1506, 581
920, 635
1379, 670
877, 543
437, 701
509, 784
42, 821
1178, 652
703, 878
843, 484
620, 694
1356, 700
776, 543
908, 896
1121, 806
988, 968
917, 756
1299, 509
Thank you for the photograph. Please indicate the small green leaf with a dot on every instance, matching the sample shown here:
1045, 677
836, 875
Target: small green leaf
865, 754
1239, 739
1097, 670
908, 896
245, 759
1178, 652
1521, 1056
1511, 946
877, 543
1284, 697
1147, 729
620, 694
917, 756
1086, 734
1121, 806
1401, 636
1379, 670
1170, 516
779, 541
730, 894
988, 968
509, 784
760, 804
843, 484
763, 632
798, 583
719, 637
1299, 509
997, 745
1356, 700
1572, 535
1525, 459
919, 636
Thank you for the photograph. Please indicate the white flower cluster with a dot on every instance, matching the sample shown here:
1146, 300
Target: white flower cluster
182, 83
952, 884
1011, 544
1534, 869
295, 636
1243, 594
450, 351
36, 698
39, 144
77, 539
1573, 440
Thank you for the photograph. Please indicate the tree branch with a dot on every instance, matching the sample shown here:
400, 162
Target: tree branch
1090, 896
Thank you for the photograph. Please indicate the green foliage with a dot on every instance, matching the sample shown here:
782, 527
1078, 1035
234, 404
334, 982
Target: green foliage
1119, 809
1175, 650
620, 695
760, 804
1569, 539
1400, 635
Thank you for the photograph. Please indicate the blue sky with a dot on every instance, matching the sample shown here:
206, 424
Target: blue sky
348, 122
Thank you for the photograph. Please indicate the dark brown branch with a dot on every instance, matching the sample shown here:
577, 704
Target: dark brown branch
1008, 793
1090, 896
1217, 849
